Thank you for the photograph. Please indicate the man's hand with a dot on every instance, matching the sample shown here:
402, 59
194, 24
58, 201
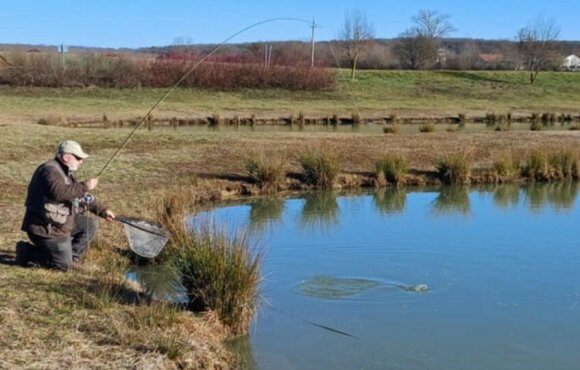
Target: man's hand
91, 183
109, 216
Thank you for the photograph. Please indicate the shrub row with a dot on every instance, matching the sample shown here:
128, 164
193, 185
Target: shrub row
48, 70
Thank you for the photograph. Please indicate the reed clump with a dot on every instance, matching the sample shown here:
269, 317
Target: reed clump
501, 127
393, 167
536, 126
564, 163
52, 120
266, 170
557, 165
427, 127
536, 166
320, 166
491, 118
507, 166
454, 168
221, 274
301, 118
391, 128
561, 164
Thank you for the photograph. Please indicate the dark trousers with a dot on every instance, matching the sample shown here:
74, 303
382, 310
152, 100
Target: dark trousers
59, 253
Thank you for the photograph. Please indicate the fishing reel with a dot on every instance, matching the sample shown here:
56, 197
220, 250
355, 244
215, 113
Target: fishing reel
81, 204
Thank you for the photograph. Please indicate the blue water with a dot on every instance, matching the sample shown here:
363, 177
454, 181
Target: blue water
501, 265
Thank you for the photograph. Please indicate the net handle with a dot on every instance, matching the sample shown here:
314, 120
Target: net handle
129, 221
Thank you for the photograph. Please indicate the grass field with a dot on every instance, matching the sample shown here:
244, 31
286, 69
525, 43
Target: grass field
90, 315
406, 93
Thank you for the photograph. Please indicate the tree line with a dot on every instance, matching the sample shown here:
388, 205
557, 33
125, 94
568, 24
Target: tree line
419, 46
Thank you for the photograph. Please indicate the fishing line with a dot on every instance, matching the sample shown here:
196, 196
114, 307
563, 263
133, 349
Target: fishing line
185, 75
189, 72
318, 325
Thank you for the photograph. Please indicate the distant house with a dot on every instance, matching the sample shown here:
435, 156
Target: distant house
441, 56
491, 58
571, 63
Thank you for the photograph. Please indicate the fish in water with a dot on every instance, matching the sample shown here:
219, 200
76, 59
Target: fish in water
419, 288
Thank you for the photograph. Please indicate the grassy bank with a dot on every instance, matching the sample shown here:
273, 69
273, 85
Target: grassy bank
403, 93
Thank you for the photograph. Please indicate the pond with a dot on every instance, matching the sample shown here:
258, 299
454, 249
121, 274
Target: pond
454, 278
372, 128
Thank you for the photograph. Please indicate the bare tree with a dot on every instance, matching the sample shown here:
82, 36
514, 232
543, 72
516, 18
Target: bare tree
418, 45
469, 56
537, 44
357, 34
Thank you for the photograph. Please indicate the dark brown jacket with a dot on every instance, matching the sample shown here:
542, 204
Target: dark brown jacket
53, 183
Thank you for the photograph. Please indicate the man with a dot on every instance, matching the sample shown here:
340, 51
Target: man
54, 219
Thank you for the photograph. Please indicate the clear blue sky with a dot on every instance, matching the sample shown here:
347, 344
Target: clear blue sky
142, 23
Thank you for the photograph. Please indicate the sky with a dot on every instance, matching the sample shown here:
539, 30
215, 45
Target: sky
144, 23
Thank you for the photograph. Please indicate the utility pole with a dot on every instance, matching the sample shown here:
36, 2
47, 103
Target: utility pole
62, 54
313, 26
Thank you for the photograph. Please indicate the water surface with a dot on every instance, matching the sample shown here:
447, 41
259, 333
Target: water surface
454, 278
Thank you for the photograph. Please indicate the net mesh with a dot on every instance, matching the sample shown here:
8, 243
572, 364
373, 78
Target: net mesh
145, 238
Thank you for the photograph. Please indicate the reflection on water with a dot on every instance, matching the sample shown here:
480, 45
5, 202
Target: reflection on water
265, 212
452, 200
160, 282
241, 347
390, 200
320, 210
506, 196
560, 195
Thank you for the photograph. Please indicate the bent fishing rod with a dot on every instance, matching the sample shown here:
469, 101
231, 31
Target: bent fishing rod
185, 75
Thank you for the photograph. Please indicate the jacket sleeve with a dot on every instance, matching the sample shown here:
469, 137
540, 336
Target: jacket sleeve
59, 191
98, 208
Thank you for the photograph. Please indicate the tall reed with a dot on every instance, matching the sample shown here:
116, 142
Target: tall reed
393, 167
267, 170
564, 163
221, 273
507, 166
454, 168
536, 166
320, 166
391, 128
427, 127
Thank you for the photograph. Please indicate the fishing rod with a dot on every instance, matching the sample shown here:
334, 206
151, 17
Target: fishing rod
185, 75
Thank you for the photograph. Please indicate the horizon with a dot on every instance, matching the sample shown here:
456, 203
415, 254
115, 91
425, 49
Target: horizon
135, 24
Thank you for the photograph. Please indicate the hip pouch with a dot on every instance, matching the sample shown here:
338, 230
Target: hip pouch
56, 213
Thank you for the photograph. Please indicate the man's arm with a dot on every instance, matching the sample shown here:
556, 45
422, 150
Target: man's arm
59, 191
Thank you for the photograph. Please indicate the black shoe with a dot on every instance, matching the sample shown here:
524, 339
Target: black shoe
23, 253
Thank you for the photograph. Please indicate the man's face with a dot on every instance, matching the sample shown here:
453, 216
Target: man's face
72, 161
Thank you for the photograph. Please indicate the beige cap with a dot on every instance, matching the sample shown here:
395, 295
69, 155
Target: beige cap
71, 147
